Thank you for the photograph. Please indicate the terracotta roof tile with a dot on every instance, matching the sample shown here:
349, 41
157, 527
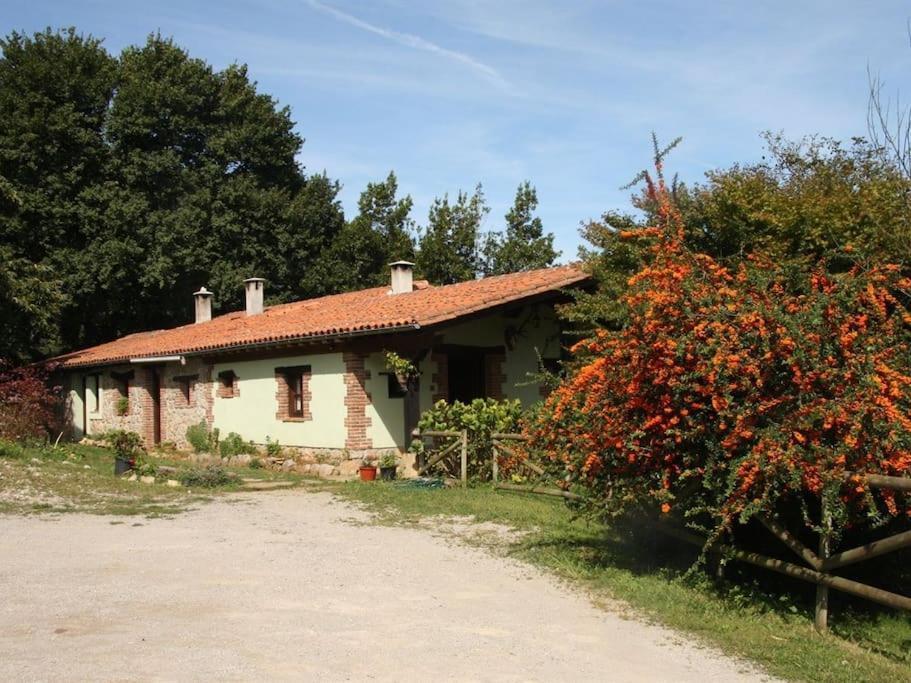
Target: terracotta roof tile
365, 311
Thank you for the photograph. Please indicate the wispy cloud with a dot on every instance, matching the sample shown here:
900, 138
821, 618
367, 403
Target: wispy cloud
417, 43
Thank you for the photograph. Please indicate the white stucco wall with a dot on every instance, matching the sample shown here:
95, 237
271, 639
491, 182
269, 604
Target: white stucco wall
252, 413
387, 415
74, 406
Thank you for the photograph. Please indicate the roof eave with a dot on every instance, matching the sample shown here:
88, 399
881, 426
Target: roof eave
182, 355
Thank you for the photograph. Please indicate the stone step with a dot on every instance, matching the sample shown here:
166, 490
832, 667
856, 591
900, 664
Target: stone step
261, 485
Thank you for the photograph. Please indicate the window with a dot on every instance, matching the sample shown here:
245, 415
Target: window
293, 393
227, 384
185, 383
122, 407
394, 388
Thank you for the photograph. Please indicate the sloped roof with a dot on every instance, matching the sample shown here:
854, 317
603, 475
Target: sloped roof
363, 312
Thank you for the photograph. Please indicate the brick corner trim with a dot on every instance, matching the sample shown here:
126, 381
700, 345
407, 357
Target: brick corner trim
494, 377
357, 398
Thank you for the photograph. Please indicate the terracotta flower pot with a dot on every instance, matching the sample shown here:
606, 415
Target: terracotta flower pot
367, 473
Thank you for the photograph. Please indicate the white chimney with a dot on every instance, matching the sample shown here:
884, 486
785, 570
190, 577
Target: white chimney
402, 277
203, 305
254, 287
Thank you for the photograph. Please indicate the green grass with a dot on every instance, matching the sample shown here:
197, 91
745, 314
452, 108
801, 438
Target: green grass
78, 478
754, 618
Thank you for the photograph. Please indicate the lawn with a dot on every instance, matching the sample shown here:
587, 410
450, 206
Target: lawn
80, 478
765, 622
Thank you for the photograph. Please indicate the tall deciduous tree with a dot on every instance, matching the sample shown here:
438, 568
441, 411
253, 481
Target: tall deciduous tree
523, 246
55, 88
141, 178
803, 202
449, 248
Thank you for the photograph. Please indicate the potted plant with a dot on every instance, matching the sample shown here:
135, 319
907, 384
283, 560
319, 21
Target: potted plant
401, 368
367, 471
388, 466
127, 449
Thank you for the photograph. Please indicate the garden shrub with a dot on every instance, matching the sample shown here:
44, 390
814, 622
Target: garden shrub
482, 417
734, 392
201, 439
233, 444
273, 448
206, 477
28, 403
126, 445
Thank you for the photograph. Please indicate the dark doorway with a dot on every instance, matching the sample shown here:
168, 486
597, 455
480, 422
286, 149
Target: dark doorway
466, 373
155, 391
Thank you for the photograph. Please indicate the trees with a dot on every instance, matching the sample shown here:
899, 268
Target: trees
140, 178
523, 246
449, 248
54, 92
804, 203
382, 232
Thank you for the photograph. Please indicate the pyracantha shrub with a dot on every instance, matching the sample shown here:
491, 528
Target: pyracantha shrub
28, 402
729, 393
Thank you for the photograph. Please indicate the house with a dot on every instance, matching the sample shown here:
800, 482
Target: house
312, 374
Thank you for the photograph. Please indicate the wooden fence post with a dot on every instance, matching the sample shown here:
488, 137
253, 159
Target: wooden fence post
822, 592
464, 457
494, 465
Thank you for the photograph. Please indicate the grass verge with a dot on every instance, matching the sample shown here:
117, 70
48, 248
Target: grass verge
763, 624
78, 478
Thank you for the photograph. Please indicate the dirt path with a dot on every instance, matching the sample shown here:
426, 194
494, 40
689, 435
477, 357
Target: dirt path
284, 586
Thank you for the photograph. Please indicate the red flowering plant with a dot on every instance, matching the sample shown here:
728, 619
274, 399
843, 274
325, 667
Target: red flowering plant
27, 402
735, 391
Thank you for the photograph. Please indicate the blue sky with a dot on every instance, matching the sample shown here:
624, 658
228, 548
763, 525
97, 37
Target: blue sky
564, 94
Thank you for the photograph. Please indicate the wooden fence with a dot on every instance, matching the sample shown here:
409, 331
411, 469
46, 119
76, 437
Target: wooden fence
443, 459
820, 565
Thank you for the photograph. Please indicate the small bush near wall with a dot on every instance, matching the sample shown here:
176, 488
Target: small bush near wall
233, 444
201, 439
206, 477
273, 448
482, 417
27, 403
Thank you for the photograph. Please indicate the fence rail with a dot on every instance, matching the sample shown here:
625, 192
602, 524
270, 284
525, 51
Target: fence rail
820, 564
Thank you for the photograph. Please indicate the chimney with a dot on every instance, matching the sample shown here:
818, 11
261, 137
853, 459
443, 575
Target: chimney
203, 305
254, 287
402, 277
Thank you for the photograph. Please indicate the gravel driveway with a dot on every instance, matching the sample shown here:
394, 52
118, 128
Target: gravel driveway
288, 585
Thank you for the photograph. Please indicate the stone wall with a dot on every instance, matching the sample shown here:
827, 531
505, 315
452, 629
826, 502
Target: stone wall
176, 413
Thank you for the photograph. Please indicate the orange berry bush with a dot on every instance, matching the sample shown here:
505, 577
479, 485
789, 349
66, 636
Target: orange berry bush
734, 391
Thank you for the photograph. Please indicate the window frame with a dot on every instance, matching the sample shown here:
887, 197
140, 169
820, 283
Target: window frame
295, 387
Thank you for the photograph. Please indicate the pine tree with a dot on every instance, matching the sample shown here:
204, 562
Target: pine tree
382, 232
449, 248
524, 246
